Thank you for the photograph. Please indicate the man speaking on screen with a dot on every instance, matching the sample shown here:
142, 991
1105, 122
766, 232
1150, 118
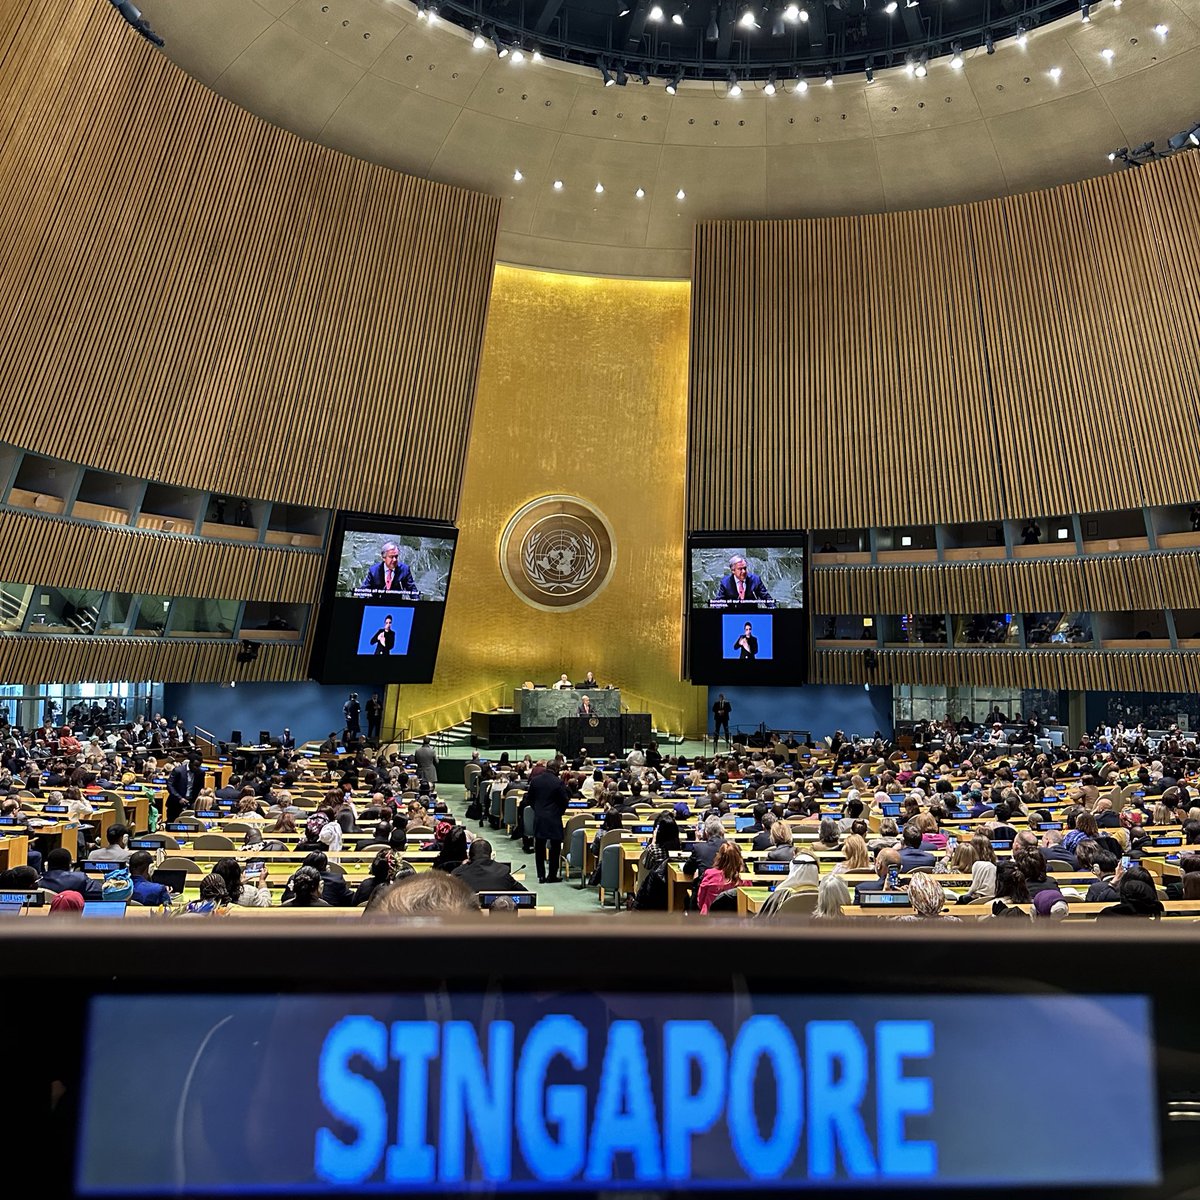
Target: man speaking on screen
742, 585
390, 574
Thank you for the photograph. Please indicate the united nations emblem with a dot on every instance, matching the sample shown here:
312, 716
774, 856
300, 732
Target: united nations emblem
557, 553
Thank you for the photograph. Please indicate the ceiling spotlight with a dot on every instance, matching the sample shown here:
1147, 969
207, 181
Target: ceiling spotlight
711, 32
1085, 12
1113, 155
640, 193
801, 86
910, 64
606, 75
518, 55
537, 54
1107, 54
890, 7
622, 78
956, 56
911, 3
1194, 135
870, 70
1161, 30
517, 176
679, 195
735, 88
748, 19
792, 12
674, 82
625, 11
1179, 141
599, 189
479, 41
772, 80
558, 185
655, 13
922, 67
1116, 3
677, 18
989, 42
803, 15
1022, 33
1056, 73
829, 77
1144, 149
643, 75
501, 48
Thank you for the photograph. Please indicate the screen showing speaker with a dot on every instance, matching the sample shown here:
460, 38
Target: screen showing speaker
747, 619
383, 600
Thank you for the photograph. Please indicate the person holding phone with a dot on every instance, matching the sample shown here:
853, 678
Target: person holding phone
248, 887
887, 867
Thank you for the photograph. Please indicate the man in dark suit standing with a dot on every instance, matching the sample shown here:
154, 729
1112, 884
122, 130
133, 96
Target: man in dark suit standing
183, 786
384, 639
483, 873
390, 574
747, 644
374, 717
741, 584
548, 797
721, 709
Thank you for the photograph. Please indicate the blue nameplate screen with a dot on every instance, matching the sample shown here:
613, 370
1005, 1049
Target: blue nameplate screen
596, 1092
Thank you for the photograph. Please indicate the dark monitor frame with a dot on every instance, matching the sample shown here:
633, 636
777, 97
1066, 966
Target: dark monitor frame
64, 965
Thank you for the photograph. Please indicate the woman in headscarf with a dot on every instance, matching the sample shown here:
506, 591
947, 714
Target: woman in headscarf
803, 876
330, 837
386, 868
214, 897
67, 902
927, 897
1139, 897
452, 846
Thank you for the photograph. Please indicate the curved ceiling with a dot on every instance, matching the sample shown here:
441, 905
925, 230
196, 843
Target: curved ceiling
370, 78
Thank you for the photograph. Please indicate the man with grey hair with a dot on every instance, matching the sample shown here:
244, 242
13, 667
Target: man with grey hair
390, 574
742, 584
704, 853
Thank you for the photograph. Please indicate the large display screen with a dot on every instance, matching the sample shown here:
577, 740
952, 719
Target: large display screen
592, 1092
747, 621
384, 598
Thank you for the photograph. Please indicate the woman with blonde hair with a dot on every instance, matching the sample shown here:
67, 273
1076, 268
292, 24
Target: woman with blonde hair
959, 862
857, 859
832, 896
782, 849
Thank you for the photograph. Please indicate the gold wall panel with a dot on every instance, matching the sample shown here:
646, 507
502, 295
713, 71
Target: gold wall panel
1113, 583
193, 295
970, 363
583, 390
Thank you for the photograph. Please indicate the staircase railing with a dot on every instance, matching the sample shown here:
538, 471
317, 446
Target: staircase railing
450, 712
206, 740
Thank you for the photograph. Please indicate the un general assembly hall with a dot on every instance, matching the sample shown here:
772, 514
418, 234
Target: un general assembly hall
600, 596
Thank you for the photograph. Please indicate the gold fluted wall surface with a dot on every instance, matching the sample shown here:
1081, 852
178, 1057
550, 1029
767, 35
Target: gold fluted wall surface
977, 362
1075, 670
62, 553
583, 391
190, 294
1113, 583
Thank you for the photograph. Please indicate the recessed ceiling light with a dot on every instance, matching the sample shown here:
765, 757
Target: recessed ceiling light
558, 185
1055, 73
1107, 54
801, 86
1161, 30
640, 193
656, 13
599, 188
517, 176
679, 195
518, 55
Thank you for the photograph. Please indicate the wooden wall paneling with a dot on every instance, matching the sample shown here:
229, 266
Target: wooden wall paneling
277, 301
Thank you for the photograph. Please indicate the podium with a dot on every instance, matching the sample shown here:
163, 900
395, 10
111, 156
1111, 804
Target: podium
606, 736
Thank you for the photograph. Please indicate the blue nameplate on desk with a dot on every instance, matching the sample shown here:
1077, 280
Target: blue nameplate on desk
884, 900
145, 844
54, 808
1002, 845
771, 867
178, 828
578, 804
1167, 841
28, 899
13, 820
101, 867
